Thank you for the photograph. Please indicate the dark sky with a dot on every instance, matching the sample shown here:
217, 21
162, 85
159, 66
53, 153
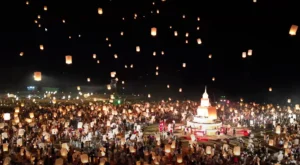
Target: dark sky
227, 28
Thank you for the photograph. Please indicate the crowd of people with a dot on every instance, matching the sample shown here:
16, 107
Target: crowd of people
103, 133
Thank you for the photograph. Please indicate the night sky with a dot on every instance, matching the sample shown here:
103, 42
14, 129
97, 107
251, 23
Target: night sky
227, 28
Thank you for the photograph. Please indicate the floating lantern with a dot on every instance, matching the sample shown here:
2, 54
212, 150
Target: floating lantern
208, 150
199, 41
157, 68
162, 52
94, 56
153, 31
180, 89
17, 109
210, 56
132, 149
122, 33
63, 152
31, 115
270, 89
6, 116
198, 18
98, 61
113, 74
68, 59
137, 48
156, 73
100, 11
5, 147
244, 55
173, 145
167, 148
45, 8
186, 41
271, 142
289, 100
168, 86
237, 150
285, 145
154, 53
175, 33
41, 47
293, 30
21, 54
108, 87
278, 129
213, 79
186, 34
78, 88
149, 95
183, 65
37, 76
250, 52
88, 80
84, 158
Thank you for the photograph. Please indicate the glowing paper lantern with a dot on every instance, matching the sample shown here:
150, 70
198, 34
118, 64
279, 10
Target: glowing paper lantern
289, 100
293, 30
250, 52
5, 147
183, 65
6, 116
132, 149
180, 89
149, 95
78, 88
285, 145
31, 115
186, 34
237, 150
271, 142
213, 79
162, 52
278, 129
153, 31
21, 54
270, 89
41, 47
154, 53
175, 33
94, 56
156, 73
168, 86
84, 158
108, 87
137, 48
167, 148
208, 150
63, 152
100, 11
210, 56
113, 74
45, 8
244, 55
37, 76
68, 59
199, 41
88, 80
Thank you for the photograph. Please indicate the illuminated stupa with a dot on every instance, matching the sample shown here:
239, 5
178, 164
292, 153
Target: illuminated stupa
206, 119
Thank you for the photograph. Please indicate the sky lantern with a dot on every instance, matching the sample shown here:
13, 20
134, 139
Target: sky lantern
27, 2
154, 53
157, 68
198, 18
78, 88
94, 56
45, 8
244, 55
41, 47
156, 73
6, 116
213, 79
237, 150
175, 33
289, 100
210, 56
180, 89
254, 1
137, 48
249, 52
123, 82
183, 65
108, 87
270, 89
106, 39
98, 61
179, 158
113, 74
162, 52
183, 16
125, 66
278, 129
186, 34
39, 16
88, 79
208, 150
153, 31
68, 59
100, 11
115, 56
21, 54
199, 41
293, 30
186, 41
198, 28
131, 66
63, 21
37, 76
149, 95
168, 86
122, 33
